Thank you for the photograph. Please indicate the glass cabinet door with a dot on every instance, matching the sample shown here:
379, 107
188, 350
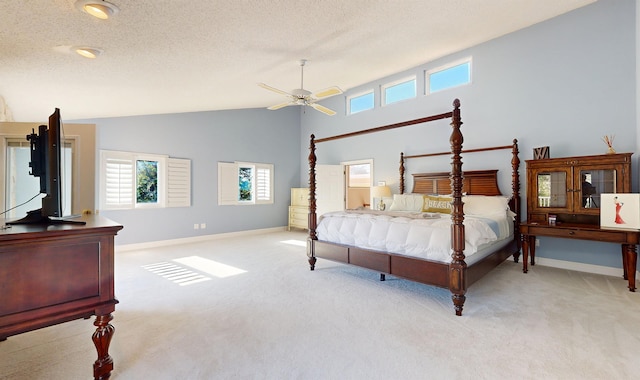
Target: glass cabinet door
593, 183
552, 189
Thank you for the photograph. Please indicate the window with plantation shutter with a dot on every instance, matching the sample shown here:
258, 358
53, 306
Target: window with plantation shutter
244, 183
138, 180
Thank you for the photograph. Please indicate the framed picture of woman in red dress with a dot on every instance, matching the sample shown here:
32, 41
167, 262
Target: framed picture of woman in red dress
620, 211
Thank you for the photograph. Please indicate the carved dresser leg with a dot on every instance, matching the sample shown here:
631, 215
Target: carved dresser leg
102, 339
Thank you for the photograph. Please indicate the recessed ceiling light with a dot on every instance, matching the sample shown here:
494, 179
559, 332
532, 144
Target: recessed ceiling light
97, 8
87, 52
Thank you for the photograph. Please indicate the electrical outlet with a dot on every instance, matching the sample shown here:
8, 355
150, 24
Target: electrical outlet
196, 226
203, 226
537, 242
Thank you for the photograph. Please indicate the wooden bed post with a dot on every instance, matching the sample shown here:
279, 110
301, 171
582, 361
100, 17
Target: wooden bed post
458, 267
313, 220
401, 172
515, 190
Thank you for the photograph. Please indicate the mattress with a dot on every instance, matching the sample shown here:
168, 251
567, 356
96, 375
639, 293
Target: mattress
416, 234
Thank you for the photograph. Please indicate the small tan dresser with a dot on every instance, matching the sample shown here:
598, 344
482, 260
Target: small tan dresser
299, 209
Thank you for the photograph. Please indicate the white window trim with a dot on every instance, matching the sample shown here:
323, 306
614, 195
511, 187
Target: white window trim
428, 73
360, 94
384, 87
228, 183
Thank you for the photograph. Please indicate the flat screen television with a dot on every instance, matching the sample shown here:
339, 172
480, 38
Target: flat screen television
46, 163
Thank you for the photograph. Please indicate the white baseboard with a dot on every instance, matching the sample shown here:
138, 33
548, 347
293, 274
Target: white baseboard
194, 239
580, 267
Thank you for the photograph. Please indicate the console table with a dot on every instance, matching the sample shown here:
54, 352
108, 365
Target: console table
628, 239
51, 274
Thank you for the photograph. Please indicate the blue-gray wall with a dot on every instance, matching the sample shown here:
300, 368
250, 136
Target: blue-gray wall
254, 135
563, 83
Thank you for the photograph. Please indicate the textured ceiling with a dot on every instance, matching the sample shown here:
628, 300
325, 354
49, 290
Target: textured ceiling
168, 56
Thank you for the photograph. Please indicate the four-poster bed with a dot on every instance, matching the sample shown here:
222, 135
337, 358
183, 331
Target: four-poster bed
456, 272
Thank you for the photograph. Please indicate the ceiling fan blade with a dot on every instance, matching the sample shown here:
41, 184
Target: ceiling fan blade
327, 92
267, 87
323, 109
281, 105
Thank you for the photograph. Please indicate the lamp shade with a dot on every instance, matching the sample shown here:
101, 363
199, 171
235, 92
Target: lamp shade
380, 191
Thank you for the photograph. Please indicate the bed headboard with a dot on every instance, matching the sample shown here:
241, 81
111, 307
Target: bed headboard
477, 182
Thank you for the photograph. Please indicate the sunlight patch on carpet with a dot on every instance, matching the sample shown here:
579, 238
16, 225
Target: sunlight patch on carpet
300, 243
211, 267
176, 273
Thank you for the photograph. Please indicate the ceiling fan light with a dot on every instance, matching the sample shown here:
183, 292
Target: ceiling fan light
97, 8
88, 52
302, 97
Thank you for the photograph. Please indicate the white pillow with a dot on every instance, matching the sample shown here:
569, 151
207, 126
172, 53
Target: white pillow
484, 204
407, 202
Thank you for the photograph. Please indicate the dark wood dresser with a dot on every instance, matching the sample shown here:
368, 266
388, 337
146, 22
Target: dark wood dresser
51, 274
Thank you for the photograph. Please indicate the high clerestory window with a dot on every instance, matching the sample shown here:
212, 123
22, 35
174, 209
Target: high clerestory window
452, 75
360, 102
399, 90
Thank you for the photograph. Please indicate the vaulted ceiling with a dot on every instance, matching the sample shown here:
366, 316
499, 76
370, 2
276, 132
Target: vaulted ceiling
170, 56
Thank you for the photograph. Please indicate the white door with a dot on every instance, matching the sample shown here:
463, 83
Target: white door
329, 188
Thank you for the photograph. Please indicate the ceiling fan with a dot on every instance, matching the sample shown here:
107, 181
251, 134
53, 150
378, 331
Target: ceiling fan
302, 97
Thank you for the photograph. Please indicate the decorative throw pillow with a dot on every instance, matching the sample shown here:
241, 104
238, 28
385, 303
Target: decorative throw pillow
437, 204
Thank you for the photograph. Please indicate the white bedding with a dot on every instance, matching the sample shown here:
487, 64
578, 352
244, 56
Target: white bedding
411, 233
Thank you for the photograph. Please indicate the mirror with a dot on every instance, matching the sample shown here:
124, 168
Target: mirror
594, 183
552, 189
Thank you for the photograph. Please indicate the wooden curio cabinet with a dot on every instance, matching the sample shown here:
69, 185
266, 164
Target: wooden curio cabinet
563, 201
569, 188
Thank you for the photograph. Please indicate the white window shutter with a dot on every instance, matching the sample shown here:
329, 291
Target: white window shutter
264, 183
227, 183
178, 182
117, 191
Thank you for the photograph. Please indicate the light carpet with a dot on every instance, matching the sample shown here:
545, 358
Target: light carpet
258, 312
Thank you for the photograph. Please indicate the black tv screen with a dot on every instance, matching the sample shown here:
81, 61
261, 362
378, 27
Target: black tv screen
52, 202
46, 163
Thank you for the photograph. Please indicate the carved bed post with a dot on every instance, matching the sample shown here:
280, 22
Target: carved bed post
515, 188
458, 267
401, 172
313, 220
